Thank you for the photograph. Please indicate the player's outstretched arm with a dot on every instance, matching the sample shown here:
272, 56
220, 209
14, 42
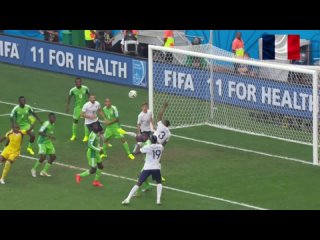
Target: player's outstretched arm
36, 116
102, 114
84, 115
163, 109
111, 122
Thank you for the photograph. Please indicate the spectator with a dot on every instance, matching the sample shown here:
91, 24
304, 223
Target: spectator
129, 43
238, 49
103, 39
196, 62
50, 35
89, 36
238, 46
168, 41
168, 38
109, 38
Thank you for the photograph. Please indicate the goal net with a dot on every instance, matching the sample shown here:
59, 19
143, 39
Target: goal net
205, 85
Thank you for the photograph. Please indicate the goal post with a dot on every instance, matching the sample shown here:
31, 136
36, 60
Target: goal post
210, 87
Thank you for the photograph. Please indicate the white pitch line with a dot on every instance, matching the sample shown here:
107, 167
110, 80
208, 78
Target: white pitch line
166, 187
8, 114
200, 141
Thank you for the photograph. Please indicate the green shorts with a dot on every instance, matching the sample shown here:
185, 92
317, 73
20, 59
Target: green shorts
25, 126
77, 113
112, 133
93, 158
46, 148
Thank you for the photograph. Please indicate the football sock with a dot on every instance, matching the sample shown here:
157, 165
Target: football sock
159, 191
46, 167
133, 191
35, 166
98, 174
6, 169
85, 173
105, 146
86, 131
74, 129
146, 184
126, 148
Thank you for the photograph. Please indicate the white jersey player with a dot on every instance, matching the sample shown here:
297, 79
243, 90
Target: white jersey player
145, 121
163, 133
89, 113
151, 167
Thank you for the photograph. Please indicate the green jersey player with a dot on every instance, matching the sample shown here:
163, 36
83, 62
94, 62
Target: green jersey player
46, 146
25, 117
80, 94
111, 113
93, 156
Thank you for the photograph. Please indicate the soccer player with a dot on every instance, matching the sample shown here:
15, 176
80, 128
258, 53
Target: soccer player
24, 116
112, 130
144, 124
93, 156
163, 133
89, 113
145, 121
45, 146
80, 94
12, 150
151, 167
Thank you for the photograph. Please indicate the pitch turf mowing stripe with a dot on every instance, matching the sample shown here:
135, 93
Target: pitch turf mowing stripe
165, 187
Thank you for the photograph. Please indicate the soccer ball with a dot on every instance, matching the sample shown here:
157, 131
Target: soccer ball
132, 94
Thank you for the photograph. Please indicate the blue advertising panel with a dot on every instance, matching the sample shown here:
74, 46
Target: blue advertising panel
242, 91
74, 61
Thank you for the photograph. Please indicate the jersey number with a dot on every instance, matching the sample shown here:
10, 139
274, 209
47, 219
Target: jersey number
161, 135
156, 153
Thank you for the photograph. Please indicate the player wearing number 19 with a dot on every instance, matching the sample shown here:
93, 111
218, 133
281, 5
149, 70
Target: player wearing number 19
80, 94
25, 117
151, 167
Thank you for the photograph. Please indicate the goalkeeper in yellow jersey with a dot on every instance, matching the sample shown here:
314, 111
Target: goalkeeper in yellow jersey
12, 150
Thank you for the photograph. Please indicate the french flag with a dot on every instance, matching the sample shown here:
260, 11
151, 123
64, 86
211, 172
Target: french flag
281, 47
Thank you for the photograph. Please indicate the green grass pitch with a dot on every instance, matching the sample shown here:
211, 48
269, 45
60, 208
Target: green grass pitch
200, 175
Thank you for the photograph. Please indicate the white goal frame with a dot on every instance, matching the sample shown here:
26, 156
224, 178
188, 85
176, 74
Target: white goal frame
287, 67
